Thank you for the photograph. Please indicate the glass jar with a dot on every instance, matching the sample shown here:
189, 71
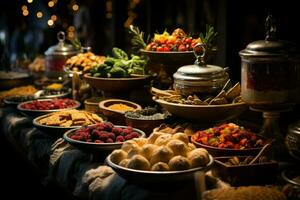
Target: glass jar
56, 56
270, 73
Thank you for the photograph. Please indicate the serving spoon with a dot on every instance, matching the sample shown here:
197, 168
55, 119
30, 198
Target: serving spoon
261, 153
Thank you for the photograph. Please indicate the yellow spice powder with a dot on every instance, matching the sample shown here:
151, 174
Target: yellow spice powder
120, 107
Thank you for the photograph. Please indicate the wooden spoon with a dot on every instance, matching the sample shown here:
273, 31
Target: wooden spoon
261, 153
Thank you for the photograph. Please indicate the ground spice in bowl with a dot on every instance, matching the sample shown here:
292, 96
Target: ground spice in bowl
120, 107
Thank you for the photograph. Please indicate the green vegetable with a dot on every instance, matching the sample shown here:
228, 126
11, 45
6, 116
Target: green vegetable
117, 72
119, 53
137, 40
110, 61
210, 36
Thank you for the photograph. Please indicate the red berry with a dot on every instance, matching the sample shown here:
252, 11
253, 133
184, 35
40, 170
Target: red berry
120, 138
109, 140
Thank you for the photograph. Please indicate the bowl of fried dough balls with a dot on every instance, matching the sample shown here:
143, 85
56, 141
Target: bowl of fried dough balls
160, 157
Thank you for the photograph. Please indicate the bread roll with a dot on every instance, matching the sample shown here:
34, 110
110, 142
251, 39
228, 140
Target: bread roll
178, 147
160, 166
117, 155
161, 154
163, 139
154, 136
136, 150
182, 137
128, 145
198, 157
191, 147
148, 149
139, 162
179, 163
140, 141
124, 162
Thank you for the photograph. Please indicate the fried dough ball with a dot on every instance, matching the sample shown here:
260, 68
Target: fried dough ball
139, 162
161, 154
179, 163
136, 150
191, 147
117, 155
182, 137
178, 147
198, 157
163, 139
128, 145
124, 162
160, 166
140, 141
154, 136
148, 149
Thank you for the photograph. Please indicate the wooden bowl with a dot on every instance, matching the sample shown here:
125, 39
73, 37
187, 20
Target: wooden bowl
204, 113
117, 84
92, 104
116, 116
219, 152
258, 173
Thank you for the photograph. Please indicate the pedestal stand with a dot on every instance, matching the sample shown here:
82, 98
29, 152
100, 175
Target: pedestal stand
271, 129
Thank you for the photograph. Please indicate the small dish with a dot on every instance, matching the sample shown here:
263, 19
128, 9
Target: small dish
51, 94
55, 131
15, 100
96, 147
248, 174
36, 113
116, 116
146, 119
92, 104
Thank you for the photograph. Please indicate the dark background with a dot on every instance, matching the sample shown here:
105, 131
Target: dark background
237, 22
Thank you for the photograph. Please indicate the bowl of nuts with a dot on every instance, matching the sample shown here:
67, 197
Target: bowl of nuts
224, 106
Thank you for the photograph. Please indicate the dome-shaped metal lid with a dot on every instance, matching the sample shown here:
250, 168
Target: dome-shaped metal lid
61, 48
199, 71
270, 47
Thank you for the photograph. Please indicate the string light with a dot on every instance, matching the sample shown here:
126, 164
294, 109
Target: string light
51, 4
75, 7
25, 13
24, 7
53, 17
50, 22
39, 14
71, 28
29, 1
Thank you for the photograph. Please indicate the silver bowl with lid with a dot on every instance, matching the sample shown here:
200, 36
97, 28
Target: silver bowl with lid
292, 140
57, 55
200, 77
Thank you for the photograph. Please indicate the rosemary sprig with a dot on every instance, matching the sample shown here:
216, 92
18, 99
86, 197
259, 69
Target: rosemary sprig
137, 40
210, 36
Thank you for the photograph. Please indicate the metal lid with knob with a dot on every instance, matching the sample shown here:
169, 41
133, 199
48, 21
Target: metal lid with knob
271, 47
61, 49
205, 78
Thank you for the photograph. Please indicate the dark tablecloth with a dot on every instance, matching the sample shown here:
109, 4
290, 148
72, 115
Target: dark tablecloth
77, 171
